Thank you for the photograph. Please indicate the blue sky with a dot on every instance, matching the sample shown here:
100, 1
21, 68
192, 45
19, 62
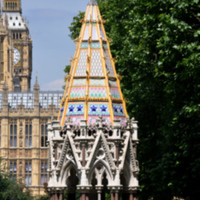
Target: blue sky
52, 47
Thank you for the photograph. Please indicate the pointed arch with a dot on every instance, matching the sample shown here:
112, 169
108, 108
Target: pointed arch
107, 170
65, 171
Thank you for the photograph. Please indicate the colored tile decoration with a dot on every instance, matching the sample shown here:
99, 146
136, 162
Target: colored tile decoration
84, 45
77, 92
81, 68
97, 82
93, 15
112, 83
96, 65
98, 109
122, 119
75, 109
61, 112
79, 82
97, 92
109, 66
95, 45
94, 23
94, 33
75, 120
94, 120
86, 35
105, 46
88, 17
118, 110
115, 93
101, 31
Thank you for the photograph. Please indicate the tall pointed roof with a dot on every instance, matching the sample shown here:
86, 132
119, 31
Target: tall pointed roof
92, 86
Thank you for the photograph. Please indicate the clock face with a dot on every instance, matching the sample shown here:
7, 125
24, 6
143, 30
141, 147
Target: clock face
16, 56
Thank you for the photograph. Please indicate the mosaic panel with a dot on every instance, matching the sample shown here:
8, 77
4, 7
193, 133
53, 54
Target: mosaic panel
95, 45
118, 110
84, 45
122, 119
97, 92
109, 64
105, 46
115, 93
77, 92
75, 109
61, 112
112, 83
75, 120
97, 82
93, 15
81, 68
96, 65
79, 82
88, 17
101, 31
98, 109
94, 33
93, 120
86, 35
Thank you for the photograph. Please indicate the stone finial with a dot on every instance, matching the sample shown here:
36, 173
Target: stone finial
36, 86
93, 2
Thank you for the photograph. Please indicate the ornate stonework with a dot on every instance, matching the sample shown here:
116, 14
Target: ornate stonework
92, 145
15, 47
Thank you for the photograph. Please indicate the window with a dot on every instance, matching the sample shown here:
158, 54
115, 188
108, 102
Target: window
13, 134
13, 24
43, 172
43, 134
28, 132
14, 36
13, 169
28, 171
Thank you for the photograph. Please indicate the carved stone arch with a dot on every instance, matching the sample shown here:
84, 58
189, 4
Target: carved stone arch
107, 170
65, 171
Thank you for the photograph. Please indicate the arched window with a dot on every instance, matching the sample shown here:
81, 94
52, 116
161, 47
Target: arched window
44, 172
13, 169
13, 36
28, 133
44, 134
28, 173
13, 134
6, 5
17, 36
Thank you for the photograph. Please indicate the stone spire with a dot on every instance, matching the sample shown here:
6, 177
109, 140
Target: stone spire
36, 86
93, 86
93, 2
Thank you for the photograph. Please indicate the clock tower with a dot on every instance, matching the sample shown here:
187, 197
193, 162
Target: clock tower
15, 47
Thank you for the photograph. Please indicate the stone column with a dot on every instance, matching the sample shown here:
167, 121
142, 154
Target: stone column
112, 195
116, 195
99, 194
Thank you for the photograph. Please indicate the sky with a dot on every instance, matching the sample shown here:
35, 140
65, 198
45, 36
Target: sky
52, 47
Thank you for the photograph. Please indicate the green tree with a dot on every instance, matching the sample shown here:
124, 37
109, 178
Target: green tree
157, 44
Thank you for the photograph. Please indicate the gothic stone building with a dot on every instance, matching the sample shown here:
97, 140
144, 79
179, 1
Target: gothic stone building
23, 133
23, 113
92, 145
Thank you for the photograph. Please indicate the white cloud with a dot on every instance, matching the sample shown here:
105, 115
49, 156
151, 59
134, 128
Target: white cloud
54, 85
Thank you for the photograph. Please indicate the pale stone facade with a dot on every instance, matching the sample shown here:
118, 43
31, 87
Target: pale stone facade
23, 134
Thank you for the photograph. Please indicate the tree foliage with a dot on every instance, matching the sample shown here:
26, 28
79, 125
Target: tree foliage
157, 44
12, 189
